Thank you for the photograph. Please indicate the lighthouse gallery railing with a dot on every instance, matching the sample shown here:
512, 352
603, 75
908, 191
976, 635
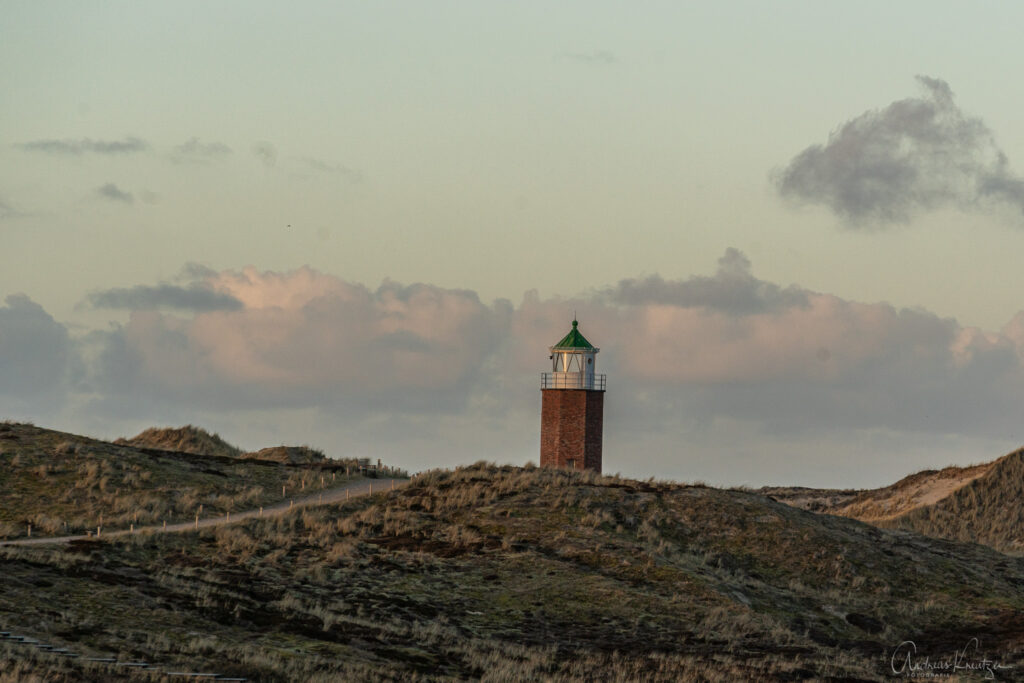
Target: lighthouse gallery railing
572, 380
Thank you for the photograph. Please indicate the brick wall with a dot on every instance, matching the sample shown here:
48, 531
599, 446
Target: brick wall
571, 421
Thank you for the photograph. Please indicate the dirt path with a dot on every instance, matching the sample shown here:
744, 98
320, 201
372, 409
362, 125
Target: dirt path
360, 487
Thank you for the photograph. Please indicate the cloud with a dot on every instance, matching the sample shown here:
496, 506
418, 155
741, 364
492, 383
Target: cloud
35, 355
751, 350
196, 151
345, 172
915, 155
194, 297
596, 58
304, 338
128, 145
266, 153
721, 376
732, 290
114, 193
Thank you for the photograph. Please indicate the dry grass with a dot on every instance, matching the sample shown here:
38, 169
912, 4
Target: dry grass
65, 484
502, 573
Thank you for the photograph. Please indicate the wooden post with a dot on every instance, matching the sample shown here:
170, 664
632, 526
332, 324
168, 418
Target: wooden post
261, 510
98, 529
131, 528
197, 520
229, 516
165, 525
321, 481
290, 504
371, 488
30, 530
348, 494
334, 475
392, 484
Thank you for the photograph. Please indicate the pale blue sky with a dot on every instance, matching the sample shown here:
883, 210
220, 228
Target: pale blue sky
492, 147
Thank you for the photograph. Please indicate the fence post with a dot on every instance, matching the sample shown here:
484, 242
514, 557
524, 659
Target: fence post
261, 510
197, 520
30, 530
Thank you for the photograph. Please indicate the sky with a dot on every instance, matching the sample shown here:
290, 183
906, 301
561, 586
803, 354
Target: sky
793, 229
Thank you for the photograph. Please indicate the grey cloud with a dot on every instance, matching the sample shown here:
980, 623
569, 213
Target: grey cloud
195, 271
916, 154
403, 340
265, 152
114, 193
143, 297
35, 353
82, 146
733, 290
341, 170
195, 150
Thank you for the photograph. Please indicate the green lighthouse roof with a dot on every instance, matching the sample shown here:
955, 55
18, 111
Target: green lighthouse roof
573, 340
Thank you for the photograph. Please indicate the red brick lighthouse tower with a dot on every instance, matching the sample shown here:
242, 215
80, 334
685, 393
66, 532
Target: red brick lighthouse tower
572, 406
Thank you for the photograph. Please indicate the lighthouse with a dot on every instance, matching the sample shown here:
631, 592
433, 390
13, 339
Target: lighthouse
572, 405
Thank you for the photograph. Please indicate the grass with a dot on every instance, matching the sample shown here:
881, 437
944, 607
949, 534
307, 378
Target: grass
66, 484
502, 573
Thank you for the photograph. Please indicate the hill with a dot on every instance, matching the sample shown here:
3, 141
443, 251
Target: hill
980, 504
62, 483
988, 508
187, 439
196, 440
292, 455
502, 573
